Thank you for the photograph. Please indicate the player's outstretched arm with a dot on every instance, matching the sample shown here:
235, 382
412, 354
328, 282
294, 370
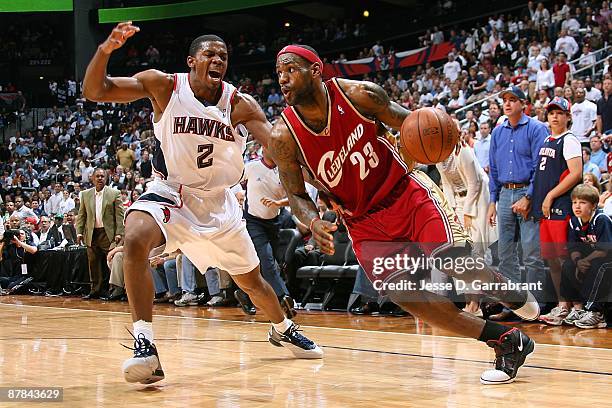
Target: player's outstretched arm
284, 152
99, 87
246, 111
372, 100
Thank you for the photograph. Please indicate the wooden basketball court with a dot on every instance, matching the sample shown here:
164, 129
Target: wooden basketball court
219, 357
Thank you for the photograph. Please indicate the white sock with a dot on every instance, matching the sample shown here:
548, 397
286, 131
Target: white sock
282, 326
146, 328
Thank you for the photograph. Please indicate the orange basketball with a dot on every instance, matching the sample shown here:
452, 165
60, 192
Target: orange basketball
428, 135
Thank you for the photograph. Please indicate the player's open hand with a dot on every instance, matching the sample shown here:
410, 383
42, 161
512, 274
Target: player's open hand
119, 36
268, 202
321, 232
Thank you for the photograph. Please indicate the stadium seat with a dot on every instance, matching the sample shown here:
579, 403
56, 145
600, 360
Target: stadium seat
331, 264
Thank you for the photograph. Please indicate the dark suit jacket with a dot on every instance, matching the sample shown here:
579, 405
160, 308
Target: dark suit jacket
54, 232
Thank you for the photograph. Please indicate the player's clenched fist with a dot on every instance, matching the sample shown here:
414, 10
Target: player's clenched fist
118, 36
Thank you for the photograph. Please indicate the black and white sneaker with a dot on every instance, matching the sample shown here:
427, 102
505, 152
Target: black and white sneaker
300, 345
144, 367
511, 349
19, 285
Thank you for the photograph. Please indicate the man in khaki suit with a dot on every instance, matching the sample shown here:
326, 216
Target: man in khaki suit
99, 225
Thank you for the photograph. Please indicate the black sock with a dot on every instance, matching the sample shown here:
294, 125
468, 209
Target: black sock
492, 331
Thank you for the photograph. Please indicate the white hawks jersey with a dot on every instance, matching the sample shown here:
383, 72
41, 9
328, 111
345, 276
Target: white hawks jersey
197, 146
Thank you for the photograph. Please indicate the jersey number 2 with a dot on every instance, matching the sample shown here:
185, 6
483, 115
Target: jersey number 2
358, 158
543, 164
206, 150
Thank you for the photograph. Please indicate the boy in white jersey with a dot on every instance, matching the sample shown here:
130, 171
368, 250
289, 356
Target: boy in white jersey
189, 205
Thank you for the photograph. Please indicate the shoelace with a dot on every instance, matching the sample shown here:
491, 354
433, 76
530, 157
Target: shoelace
142, 346
588, 316
294, 334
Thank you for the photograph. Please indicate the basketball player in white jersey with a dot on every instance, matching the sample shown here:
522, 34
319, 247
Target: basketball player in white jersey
189, 205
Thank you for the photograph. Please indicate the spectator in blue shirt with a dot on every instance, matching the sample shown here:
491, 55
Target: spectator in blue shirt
589, 166
22, 149
598, 156
274, 98
483, 145
513, 155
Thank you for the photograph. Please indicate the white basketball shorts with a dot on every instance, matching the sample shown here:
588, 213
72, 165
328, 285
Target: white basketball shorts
207, 226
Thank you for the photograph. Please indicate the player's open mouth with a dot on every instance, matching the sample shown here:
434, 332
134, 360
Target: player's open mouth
214, 75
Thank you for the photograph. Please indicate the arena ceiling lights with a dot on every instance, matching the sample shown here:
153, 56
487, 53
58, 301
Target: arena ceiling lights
175, 10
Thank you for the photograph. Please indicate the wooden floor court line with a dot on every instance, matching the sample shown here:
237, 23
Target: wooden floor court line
210, 360
325, 346
454, 338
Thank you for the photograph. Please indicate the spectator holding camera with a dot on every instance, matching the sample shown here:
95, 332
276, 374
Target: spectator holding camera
13, 249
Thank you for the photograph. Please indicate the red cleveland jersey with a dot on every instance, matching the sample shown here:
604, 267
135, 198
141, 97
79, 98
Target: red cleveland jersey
357, 166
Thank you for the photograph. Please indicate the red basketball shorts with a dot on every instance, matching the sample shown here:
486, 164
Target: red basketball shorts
553, 238
414, 220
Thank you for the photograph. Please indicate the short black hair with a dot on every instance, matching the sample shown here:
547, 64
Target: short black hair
197, 43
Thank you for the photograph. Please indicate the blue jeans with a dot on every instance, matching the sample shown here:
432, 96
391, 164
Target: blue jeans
165, 278
508, 223
264, 234
171, 276
188, 278
364, 287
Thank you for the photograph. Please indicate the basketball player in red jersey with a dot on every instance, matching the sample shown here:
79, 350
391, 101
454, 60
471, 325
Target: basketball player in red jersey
189, 205
330, 131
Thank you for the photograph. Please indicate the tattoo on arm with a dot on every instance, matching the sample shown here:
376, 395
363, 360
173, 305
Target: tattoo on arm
374, 101
285, 156
376, 94
397, 112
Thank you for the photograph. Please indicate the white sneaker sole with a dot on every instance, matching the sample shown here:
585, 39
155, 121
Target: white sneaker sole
138, 370
551, 322
601, 325
497, 377
298, 352
530, 310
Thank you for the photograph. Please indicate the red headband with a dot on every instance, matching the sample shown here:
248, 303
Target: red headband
302, 52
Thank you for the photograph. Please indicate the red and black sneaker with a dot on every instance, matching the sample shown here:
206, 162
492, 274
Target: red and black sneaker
511, 349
